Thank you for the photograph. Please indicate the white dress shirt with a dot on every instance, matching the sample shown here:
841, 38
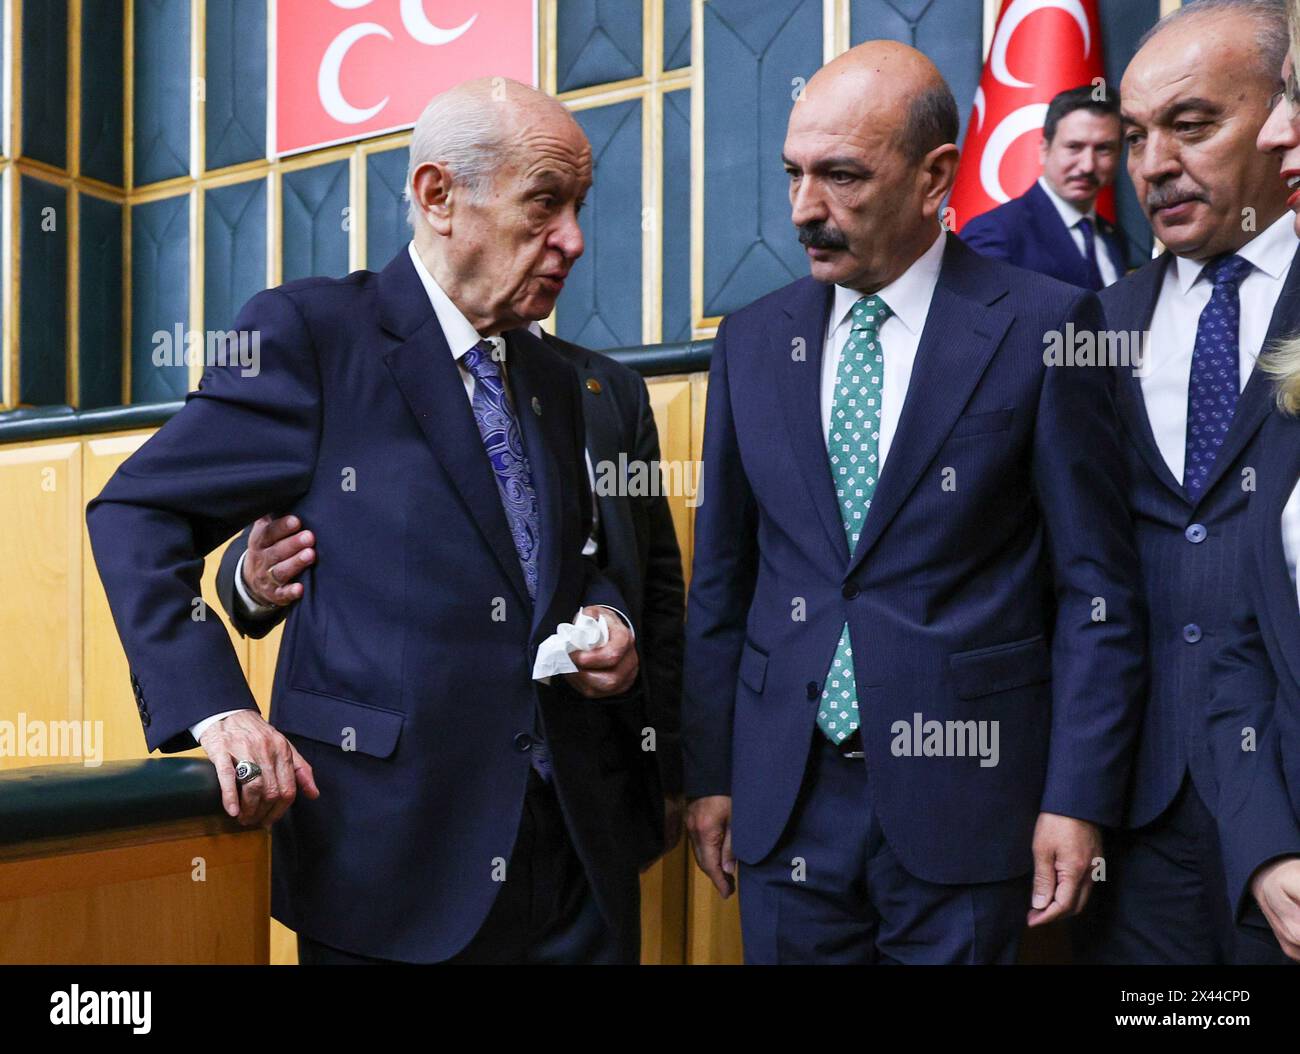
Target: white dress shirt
1070, 215
1291, 537
461, 336
1167, 369
908, 297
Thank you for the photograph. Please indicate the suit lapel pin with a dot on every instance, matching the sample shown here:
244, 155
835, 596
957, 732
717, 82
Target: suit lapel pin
537, 406
593, 385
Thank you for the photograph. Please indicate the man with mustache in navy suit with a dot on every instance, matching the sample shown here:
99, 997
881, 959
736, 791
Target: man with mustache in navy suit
913, 634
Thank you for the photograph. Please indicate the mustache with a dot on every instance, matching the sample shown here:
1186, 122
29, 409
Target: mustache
1092, 180
1173, 194
820, 236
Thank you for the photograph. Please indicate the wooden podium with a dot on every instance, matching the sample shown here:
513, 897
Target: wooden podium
128, 862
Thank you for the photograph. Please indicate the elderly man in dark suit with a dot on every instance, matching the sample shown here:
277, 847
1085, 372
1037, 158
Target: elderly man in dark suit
1192, 406
634, 542
454, 806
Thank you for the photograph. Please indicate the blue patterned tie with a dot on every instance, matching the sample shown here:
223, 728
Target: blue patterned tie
1095, 281
1215, 382
505, 449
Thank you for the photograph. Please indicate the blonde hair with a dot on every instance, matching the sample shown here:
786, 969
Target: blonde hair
1283, 360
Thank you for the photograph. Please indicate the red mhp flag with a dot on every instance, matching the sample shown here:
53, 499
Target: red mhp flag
1040, 48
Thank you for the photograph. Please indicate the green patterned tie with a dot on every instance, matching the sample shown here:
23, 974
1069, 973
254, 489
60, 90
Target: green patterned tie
853, 445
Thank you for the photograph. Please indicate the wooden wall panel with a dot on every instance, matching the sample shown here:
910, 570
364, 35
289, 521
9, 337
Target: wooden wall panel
40, 581
663, 887
139, 895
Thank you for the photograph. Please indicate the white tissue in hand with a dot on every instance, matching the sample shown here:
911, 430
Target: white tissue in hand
582, 633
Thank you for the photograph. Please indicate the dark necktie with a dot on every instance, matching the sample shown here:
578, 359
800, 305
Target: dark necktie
1215, 381
1090, 254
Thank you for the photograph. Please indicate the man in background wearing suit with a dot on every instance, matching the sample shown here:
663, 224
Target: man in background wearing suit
1054, 228
1195, 97
633, 542
913, 638
453, 808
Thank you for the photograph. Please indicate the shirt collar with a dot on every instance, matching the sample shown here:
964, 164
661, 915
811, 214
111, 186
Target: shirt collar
461, 336
908, 295
1070, 213
1271, 251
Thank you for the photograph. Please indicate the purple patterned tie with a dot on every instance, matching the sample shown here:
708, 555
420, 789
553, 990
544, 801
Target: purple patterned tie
1215, 382
505, 449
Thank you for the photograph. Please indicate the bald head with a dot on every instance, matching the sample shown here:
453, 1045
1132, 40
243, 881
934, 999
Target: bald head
885, 81
870, 155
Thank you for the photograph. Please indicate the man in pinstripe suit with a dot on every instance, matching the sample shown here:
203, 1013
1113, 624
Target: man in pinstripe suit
1194, 99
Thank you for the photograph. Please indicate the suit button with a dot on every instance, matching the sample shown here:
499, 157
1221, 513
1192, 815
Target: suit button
812, 689
849, 591
523, 742
1196, 533
144, 718
1191, 633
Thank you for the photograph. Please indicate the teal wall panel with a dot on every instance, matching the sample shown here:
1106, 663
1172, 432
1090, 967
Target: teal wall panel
676, 285
160, 296
99, 314
597, 41
601, 303
162, 90
677, 34
234, 250
235, 63
387, 231
102, 96
43, 292
315, 241
753, 54
45, 81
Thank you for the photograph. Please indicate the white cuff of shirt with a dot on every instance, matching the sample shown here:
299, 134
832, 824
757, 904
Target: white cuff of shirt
198, 729
251, 606
626, 621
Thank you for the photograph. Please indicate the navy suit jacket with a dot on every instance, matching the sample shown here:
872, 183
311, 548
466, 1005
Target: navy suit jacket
638, 552
1189, 551
404, 674
997, 521
1028, 232
1256, 684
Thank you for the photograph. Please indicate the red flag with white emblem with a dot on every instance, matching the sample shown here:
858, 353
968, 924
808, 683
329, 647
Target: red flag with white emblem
1040, 48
